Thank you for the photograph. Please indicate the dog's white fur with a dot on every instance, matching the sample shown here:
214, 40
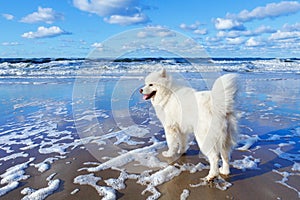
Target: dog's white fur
209, 115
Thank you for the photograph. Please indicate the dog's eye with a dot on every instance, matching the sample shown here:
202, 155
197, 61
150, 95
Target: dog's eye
150, 85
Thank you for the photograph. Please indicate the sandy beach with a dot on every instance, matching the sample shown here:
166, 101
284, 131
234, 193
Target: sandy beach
61, 143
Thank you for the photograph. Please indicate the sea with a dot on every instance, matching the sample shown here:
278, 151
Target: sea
70, 67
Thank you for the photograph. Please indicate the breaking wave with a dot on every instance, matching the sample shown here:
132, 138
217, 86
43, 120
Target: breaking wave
70, 67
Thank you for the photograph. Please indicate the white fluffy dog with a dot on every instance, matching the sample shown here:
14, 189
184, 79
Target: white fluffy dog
209, 115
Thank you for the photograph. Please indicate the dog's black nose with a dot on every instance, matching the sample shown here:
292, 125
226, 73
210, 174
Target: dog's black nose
141, 90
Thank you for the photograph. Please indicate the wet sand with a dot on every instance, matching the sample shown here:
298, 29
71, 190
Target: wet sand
249, 184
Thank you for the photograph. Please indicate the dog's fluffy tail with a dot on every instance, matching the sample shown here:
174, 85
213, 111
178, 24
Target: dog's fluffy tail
223, 94
223, 99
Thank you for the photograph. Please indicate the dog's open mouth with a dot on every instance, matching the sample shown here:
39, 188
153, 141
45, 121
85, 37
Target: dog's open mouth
149, 96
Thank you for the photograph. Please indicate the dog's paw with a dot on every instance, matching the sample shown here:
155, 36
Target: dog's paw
210, 177
224, 171
167, 154
181, 151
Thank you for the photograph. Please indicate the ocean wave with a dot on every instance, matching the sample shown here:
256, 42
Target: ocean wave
71, 67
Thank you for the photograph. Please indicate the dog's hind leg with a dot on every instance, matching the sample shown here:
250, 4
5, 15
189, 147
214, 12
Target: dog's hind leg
225, 155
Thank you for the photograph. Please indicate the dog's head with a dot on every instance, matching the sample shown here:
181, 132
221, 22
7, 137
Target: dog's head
155, 83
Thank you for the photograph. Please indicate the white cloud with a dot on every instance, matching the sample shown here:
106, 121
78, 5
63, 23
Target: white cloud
47, 15
155, 31
263, 29
246, 33
107, 7
228, 24
212, 40
229, 34
127, 20
191, 27
287, 33
8, 16
97, 45
253, 43
44, 32
272, 10
124, 12
200, 31
235, 41
10, 44
294, 27
283, 35
195, 28
269, 11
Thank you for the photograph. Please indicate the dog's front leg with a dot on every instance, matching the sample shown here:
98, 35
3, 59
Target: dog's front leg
171, 133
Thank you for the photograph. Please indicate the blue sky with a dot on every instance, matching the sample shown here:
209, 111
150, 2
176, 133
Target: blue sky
73, 28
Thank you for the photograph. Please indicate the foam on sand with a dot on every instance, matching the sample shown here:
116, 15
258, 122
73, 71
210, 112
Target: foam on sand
43, 193
285, 178
119, 183
158, 178
45, 165
147, 179
74, 191
13, 176
247, 142
217, 182
145, 156
108, 193
191, 167
288, 140
284, 155
296, 167
153, 179
185, 194
14, 156
9, 187
248, 162
161, 176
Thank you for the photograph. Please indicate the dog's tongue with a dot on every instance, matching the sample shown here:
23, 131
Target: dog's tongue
146, 96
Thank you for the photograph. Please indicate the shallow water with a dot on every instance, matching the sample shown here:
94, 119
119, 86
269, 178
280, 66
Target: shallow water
45, 119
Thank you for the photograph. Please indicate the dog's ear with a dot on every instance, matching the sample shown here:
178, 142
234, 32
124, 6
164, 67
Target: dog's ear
163, 73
